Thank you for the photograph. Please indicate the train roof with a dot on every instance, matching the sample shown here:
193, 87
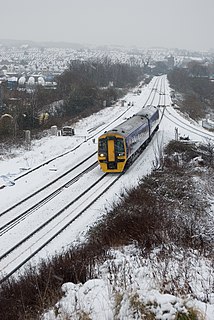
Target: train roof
128, 126
131, 124
147, 111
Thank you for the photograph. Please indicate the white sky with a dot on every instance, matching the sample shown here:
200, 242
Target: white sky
185, 24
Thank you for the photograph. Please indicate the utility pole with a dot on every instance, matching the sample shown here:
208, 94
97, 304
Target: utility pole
1, 103
176, 134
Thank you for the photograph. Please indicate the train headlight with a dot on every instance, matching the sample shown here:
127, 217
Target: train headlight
121, 154
101, 155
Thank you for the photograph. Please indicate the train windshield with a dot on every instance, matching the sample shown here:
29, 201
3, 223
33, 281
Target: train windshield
119, 146
102, 145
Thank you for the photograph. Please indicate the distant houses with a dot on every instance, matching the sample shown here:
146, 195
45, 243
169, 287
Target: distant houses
28, 82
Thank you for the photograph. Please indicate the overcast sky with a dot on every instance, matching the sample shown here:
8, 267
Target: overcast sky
181, 24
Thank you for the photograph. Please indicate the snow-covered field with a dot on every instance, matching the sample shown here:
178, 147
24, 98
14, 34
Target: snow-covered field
138, 281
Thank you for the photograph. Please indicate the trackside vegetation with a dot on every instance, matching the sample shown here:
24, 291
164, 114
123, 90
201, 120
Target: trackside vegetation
193, 89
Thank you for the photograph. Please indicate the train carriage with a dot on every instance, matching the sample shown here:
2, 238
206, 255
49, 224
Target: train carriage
117, 147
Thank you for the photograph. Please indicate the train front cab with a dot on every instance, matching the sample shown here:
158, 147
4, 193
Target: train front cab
111, 153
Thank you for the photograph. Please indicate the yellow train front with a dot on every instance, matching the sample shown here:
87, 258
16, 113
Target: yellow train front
112, 152
118, 147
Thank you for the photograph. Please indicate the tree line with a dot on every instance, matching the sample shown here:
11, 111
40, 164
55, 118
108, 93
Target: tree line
84, 87
195, 84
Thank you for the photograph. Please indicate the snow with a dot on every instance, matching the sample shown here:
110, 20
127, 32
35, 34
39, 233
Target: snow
138, 281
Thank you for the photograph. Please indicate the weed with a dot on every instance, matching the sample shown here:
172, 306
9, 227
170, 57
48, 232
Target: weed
118, 297
191, 314
140, 308
84, 316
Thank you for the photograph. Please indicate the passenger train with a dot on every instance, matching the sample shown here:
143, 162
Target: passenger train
118, 147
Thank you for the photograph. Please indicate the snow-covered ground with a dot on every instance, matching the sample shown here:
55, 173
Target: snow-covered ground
94, 297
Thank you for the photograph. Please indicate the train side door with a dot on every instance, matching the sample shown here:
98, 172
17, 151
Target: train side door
111, 150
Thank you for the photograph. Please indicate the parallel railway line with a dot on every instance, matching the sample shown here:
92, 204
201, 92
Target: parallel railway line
33, 242
187, 126
44, 198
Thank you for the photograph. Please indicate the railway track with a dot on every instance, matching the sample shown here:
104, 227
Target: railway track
33, 222
186, 126
55, 219
93, 132
27, 206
